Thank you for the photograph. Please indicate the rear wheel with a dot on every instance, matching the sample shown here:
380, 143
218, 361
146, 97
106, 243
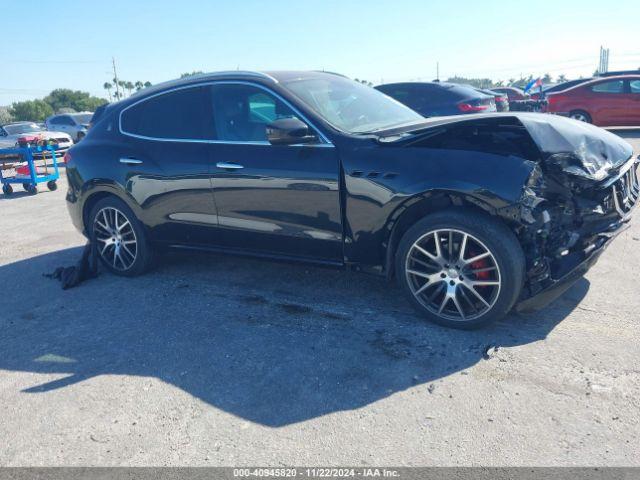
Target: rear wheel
7, 189
119, 238
460, 269
581, 116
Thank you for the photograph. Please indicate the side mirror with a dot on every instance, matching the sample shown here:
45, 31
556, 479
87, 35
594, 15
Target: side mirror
289, 131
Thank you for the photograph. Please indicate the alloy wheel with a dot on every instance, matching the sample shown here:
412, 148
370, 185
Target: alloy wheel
453, 274
116, 240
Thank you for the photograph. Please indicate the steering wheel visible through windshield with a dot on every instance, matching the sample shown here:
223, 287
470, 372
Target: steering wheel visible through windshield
351, 106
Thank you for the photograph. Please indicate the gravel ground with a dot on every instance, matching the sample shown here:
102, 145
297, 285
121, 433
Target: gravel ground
214, 360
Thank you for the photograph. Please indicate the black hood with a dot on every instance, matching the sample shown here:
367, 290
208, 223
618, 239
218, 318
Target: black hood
582, 149
578, 148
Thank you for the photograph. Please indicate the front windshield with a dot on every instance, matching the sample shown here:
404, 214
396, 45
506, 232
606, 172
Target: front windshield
351, 106
22, 128
82, 118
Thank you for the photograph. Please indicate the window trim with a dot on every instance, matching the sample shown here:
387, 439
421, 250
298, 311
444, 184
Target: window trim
325, 142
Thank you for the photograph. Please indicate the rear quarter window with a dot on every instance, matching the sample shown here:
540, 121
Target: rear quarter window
180, 115
615, 86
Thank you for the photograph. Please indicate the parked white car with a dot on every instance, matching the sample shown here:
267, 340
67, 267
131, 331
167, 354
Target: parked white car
75, 124
10, 133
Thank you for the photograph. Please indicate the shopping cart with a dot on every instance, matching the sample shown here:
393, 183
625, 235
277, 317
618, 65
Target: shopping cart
27, 165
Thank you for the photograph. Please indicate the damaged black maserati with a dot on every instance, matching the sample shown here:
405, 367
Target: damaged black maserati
472, 215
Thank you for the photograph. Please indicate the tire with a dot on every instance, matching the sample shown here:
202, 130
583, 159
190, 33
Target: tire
79, 137
52, 185
32, 189
581, 116
459, 293
126, 252
7, 189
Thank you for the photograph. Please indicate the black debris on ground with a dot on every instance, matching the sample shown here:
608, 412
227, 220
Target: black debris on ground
86, 268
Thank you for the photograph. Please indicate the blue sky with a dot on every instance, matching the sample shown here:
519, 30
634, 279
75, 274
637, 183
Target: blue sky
376, 40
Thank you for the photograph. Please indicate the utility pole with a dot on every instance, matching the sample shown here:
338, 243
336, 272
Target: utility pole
603, 67
115, 77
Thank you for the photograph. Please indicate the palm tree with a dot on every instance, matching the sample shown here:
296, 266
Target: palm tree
147, 84
561, 78
123, 85
139, 85
107, 86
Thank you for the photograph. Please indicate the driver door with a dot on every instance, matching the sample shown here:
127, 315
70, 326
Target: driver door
276, 199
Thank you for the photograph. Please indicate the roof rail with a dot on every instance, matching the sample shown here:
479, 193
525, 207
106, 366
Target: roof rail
234, 72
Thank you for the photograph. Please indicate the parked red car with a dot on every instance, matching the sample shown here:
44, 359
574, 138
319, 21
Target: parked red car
608, 101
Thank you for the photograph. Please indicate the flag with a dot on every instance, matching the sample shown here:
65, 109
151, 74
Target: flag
532, 84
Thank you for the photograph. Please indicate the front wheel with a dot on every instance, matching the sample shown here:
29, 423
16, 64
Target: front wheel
119, 238
460, 269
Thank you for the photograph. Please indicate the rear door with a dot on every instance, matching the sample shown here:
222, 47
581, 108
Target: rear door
633, 106
275, 199
167, 166
607, 103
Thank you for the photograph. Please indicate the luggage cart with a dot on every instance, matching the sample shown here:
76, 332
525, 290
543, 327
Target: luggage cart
18, 166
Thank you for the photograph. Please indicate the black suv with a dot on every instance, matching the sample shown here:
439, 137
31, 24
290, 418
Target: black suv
472, 214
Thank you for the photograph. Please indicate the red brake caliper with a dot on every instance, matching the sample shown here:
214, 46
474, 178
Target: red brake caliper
478, 264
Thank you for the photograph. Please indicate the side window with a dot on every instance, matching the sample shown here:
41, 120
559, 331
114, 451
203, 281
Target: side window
635, 86
242, 112
615, 86
66, 121
262, 108
54, 120
180, 115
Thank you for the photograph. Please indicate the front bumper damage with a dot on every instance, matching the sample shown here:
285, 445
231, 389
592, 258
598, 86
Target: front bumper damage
563, 244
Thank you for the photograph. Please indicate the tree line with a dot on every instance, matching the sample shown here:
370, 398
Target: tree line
511, 82
60, 100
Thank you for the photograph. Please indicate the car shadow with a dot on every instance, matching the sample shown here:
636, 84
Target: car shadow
269, 342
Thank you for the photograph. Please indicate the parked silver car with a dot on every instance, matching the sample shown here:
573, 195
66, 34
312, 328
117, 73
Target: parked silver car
75, 124
12, 132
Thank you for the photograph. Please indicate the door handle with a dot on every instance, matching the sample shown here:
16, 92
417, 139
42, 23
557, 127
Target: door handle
229, 166
130, 161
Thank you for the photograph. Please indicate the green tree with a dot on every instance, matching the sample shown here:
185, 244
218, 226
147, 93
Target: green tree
475, 82
5, 115
561, 78
364, 82
147, 84
187, 74
75, 99
107, 86
31, 110
139, 85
